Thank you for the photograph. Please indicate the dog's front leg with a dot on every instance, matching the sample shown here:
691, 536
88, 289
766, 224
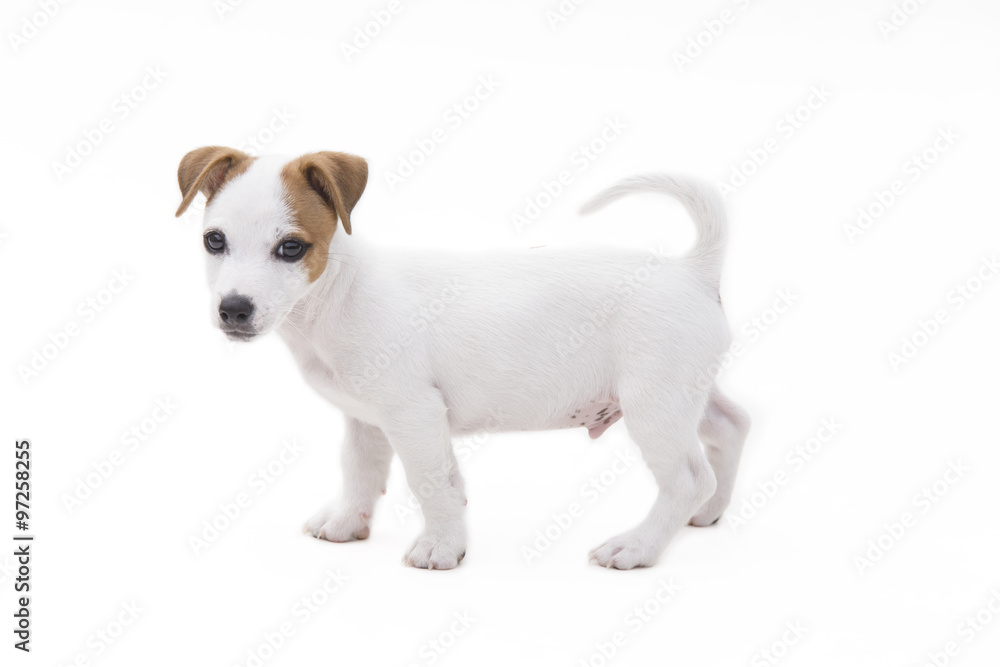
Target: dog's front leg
420, 435
365, 461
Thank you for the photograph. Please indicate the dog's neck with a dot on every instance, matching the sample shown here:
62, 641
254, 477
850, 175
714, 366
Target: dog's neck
327, 296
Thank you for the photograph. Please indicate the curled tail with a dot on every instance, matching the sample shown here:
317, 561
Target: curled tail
703, 203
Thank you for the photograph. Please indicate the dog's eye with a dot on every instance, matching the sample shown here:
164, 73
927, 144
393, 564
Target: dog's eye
291, 250
215, 242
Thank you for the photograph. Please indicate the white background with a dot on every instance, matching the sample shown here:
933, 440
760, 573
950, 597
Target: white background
795, 558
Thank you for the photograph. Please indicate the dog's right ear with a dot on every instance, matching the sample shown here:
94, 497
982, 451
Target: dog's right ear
206, 170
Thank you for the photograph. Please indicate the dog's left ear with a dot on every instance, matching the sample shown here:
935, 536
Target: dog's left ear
338, 178
206, 170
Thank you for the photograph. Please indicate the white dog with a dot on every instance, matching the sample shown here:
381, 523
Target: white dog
416, 347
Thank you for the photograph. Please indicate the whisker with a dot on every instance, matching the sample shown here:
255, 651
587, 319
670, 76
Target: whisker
340, 261
296, 329
314, 298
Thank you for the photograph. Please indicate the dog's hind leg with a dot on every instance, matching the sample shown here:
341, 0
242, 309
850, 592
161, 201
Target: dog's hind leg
663, 422
723, 429
365, 459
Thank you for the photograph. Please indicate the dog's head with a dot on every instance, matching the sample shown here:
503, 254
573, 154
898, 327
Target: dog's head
268, 227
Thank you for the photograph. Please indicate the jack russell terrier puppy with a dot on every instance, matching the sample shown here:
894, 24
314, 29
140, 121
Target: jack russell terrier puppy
415, 347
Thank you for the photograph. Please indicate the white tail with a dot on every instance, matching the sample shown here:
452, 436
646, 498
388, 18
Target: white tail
703, 203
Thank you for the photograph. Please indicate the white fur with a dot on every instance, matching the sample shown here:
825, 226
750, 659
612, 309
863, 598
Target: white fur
253, 214
416, 347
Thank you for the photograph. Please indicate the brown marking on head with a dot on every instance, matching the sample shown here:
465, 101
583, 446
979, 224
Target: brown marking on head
322, 188
206, 170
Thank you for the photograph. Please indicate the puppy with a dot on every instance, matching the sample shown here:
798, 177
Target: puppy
415, 347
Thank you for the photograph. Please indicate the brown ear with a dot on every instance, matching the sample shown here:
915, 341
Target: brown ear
206, 170
338, 178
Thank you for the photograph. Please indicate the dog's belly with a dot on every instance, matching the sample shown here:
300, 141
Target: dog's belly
595, 416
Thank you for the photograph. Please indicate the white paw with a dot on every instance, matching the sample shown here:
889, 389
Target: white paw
338, 526
436, 552
624, 552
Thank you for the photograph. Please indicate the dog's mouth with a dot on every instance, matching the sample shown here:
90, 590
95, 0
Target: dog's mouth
240, 334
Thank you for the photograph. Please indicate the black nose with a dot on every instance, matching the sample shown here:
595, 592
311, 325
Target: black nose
235, 309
